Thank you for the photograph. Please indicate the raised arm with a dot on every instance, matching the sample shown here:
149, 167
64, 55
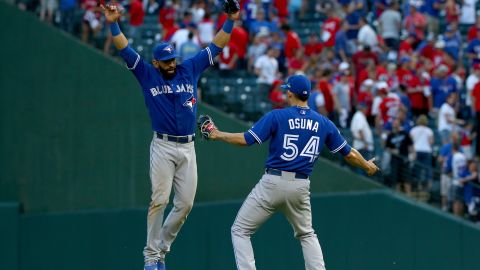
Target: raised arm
129, 55
223, 36
112, 14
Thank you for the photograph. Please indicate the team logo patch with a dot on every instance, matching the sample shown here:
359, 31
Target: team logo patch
190, 102
168, 49
303, 112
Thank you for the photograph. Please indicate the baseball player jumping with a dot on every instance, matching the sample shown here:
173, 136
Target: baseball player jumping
170, 93
297, 135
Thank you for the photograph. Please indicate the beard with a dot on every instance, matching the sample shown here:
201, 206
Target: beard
168, 73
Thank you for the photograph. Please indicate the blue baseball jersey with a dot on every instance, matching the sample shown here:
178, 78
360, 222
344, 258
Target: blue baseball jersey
441, 88
297, 136
171, 103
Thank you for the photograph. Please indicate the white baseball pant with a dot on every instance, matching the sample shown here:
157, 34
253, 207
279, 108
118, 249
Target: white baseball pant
288, 195
171, 164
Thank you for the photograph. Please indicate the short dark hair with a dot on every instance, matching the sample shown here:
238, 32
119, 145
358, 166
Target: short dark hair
285, 27
301, 97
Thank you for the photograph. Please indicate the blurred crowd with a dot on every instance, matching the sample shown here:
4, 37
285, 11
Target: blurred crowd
402, 77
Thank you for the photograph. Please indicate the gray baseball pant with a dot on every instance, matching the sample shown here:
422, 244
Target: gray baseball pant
291, 197
171, 164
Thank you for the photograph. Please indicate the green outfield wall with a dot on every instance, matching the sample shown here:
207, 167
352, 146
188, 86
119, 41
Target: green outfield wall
75, 134
9, 235
375, 230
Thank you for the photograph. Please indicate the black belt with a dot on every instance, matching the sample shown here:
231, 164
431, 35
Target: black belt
177, 139
279, 173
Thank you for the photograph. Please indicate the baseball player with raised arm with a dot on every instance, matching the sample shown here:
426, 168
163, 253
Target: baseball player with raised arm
297, 135
170, 93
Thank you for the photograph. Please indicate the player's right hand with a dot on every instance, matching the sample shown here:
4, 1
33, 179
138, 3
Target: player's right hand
112, 14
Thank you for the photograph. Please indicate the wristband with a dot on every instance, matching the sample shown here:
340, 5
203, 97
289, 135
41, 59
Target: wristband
115, 29
228, 26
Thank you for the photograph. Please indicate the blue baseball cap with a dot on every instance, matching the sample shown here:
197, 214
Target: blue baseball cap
298, 84
164, 51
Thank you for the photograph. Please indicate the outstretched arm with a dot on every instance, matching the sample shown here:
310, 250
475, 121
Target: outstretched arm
232, 138
356, 159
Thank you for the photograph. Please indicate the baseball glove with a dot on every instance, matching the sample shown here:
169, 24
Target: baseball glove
206, 125
231, 6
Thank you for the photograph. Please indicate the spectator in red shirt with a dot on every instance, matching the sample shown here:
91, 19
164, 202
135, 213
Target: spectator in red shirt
292, 41
297, 63
276, 96
440, 57
389, 108
136, 17
239, 37
282, 9
416, 95
329, 29
324, 86
361, 58
381, 72
472, 31
369, 71
228, 59
404, 72
416, 23
314, 47
166, 17
452, 11
406, 45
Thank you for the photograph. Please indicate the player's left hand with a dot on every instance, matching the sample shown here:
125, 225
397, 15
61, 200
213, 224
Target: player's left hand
372, 167
207, 126
232, 8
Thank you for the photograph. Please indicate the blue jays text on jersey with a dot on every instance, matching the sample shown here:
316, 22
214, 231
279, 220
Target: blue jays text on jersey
171, 103
166, 89
297, 137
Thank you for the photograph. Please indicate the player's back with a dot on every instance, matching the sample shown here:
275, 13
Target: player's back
297, 138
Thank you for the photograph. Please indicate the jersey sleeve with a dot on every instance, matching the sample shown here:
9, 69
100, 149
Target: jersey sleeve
262, 130
202, 60
335, 141
134, 62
